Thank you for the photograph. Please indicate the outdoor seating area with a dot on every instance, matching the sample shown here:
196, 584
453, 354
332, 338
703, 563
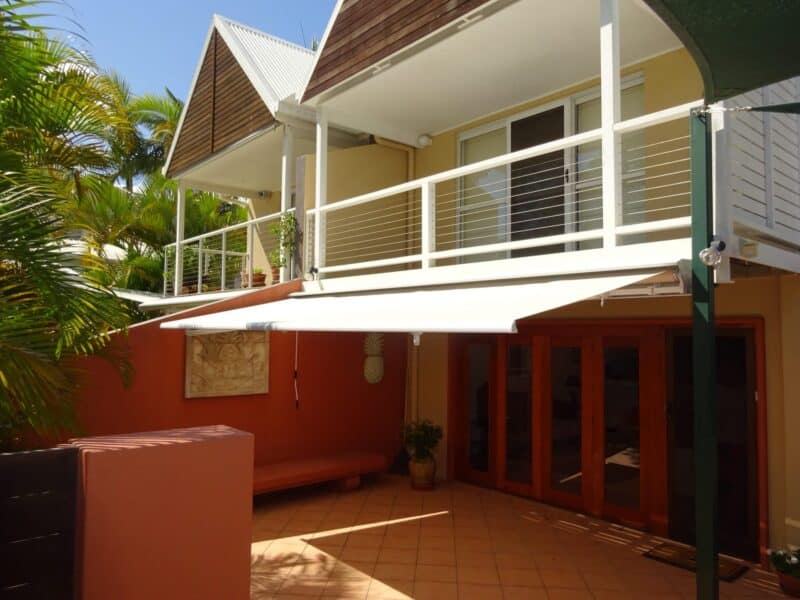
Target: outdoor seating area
457, 541
346, 468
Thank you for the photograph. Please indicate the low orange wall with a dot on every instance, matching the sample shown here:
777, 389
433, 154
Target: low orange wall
338, 409
165, 514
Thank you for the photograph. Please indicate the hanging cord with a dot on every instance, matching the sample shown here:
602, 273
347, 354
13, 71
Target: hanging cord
296, 391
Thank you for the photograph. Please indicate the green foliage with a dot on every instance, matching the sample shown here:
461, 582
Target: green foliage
421, 439
786, 561
284, 230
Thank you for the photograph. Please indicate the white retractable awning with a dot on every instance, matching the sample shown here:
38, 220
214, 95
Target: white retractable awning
487, 309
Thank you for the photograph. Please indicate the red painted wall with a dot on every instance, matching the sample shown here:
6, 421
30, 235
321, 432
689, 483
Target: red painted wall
338, 409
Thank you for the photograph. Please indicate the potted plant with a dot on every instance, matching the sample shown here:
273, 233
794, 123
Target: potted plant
284, 230
787, 564
259, 278
421, 439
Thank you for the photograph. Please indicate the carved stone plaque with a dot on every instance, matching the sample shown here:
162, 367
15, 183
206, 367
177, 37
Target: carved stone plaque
227, 364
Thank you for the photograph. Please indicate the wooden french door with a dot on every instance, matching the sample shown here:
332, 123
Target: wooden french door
576, 414
477, 411
595, 420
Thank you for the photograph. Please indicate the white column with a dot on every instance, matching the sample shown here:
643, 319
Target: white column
180, 219
610, 114
428, 225
287, 180
320, 187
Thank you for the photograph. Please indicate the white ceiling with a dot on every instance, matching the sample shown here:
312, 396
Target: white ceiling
524, 51
248, 167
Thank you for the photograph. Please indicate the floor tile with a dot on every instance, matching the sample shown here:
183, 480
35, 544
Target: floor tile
478, 574
438, 573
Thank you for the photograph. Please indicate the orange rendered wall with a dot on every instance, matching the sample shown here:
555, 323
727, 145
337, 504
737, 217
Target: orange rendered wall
338, 409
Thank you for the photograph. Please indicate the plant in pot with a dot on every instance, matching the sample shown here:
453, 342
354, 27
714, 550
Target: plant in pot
259, 278
284, 230
421, 439
787, 564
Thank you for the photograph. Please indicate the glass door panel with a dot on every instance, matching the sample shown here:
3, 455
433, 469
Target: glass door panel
518, 440
566, 439
478, 372
621, 472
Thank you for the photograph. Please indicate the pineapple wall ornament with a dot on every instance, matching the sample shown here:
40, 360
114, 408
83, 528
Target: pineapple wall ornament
373, 361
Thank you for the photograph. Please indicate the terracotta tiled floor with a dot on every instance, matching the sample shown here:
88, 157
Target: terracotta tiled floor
388, 541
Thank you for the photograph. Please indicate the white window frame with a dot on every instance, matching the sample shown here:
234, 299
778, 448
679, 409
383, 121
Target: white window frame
570, 105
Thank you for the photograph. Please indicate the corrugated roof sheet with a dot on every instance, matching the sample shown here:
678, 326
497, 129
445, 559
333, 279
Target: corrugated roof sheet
283, 66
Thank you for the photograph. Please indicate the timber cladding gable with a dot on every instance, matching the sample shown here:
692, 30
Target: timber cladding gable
224, 108
368, 31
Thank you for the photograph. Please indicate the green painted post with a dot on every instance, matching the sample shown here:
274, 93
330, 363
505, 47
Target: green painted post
704, 364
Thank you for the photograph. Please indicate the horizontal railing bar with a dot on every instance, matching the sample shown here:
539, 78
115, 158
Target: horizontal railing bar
489, 163
561, 238
371, 264
229, 228
661, 225
657, 118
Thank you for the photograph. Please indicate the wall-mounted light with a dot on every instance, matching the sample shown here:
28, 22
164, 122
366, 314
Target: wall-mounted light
424, 140
712, 256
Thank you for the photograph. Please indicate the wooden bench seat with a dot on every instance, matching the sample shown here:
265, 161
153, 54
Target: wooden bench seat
345, 467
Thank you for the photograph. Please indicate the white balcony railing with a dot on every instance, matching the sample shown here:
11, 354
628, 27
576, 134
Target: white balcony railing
225, 259
544, 199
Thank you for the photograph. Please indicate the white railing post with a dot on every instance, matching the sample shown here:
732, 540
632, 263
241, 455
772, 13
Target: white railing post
249, 255
200, 266
223, 261
287, 178
428, 225
320, 187
180, 219
166, 269
610, 115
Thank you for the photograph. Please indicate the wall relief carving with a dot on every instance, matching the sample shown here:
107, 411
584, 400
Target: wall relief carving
227, 364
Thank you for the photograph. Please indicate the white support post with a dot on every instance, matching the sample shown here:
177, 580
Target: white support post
250, 233
180, 220
223, 267
320, 187
428, 225
287, 178
610, 115
200, 260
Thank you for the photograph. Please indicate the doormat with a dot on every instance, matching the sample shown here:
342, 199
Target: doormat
684, 557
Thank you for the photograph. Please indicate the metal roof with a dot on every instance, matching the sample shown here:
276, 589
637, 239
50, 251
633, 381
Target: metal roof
278, 69
275, 66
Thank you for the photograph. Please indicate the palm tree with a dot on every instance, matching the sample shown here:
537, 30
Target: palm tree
53, 304
160, 115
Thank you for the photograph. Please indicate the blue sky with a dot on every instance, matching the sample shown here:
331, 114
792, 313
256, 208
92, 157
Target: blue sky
157, 43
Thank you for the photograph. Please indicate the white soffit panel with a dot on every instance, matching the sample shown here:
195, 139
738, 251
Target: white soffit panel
489, 309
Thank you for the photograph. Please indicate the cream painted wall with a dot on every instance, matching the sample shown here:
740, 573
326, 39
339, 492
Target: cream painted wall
352, 236
789, 467
432, 389
260, 207
775, 299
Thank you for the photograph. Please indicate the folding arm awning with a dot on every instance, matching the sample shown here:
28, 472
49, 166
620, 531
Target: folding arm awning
487, 309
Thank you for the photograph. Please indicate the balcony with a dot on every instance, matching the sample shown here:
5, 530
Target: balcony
233, 258
521, 213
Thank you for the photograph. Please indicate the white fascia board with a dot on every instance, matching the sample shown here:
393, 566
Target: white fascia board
320, 48
621, 258
186, 102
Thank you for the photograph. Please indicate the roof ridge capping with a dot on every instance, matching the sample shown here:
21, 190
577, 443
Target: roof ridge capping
231, 22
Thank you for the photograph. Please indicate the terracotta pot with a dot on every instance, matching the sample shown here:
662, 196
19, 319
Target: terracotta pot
276, 275
258, 279
790, 585
423, 473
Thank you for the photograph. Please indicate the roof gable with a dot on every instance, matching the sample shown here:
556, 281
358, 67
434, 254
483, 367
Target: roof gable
242, 77
361, 33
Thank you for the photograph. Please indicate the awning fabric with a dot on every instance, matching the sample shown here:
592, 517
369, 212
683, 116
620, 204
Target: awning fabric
738, 45
489, 309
